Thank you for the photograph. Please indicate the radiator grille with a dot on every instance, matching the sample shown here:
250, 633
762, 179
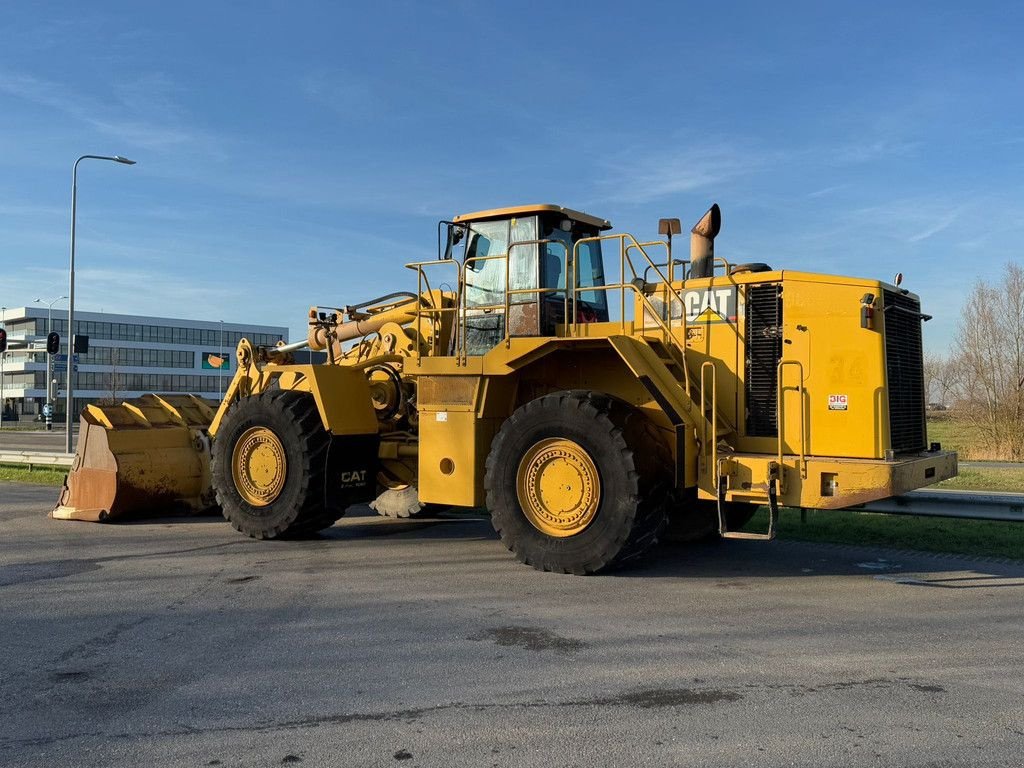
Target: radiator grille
446, 390
764, 350
904, 367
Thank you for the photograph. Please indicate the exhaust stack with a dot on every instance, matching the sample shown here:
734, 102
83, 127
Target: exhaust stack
702, 242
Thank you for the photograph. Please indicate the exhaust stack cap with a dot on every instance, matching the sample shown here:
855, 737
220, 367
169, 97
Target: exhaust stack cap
702, 242
710, 223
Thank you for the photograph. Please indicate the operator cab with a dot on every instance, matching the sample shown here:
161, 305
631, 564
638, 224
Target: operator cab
539, 242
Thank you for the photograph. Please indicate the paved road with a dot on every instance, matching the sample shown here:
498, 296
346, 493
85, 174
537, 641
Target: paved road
991, 465
386, 643
35, 440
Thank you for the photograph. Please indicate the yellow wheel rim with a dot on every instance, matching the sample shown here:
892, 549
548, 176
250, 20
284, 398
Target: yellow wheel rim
559, 487
258, 466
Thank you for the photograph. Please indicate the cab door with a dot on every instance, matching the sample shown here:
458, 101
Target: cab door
487, 249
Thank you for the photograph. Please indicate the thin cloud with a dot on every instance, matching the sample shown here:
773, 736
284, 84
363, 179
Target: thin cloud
25, 211
944, 222
865, 151
643, 177
907, 221
342, 94
827, 190
153, 123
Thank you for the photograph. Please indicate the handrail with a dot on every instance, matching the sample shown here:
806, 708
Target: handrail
668, 254
573, 289
714, 412
684, 263
538, 290
421, 279
726, 272
463, 355
627, 244
670, 264
623, 258
780, 411
649, 244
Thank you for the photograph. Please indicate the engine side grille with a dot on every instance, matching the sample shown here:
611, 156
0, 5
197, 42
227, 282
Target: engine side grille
904, 367
446, 390
764, 350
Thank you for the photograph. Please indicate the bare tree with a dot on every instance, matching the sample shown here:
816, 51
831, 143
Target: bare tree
938, 378
988, 355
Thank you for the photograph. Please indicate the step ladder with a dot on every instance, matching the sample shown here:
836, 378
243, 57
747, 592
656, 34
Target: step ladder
773, 509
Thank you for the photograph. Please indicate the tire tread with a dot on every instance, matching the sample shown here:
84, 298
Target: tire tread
638, 448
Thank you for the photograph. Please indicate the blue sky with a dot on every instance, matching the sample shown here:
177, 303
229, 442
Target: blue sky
300, 153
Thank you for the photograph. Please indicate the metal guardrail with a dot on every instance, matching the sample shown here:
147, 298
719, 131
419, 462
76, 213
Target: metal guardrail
33, 459
967, 505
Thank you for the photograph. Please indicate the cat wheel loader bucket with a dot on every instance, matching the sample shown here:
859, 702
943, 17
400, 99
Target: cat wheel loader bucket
146, 456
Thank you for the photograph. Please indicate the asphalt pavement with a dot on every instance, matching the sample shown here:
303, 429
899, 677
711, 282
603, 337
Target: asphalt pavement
408, 643
38, 440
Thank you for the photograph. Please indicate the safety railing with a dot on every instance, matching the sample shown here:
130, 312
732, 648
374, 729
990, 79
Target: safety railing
668, 278
430, 311
669, 265
461, 345
627, 245
780, 411
652, 244
709, 449
684, 263
510, 292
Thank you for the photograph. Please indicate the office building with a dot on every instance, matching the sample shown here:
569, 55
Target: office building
129, 355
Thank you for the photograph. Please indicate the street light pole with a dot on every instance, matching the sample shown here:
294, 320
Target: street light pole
71, 290
3, 357
49, 363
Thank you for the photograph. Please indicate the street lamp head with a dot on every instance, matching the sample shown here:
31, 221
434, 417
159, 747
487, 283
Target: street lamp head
124, 160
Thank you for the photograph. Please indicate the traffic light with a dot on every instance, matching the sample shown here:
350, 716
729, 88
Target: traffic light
52, 343
3, 340
80, 344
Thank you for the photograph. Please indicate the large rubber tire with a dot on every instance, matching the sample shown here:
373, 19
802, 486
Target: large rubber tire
632, 466
311, 498
690, 519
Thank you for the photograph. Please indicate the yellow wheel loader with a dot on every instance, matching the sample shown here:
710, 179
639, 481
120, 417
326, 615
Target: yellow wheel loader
594, 392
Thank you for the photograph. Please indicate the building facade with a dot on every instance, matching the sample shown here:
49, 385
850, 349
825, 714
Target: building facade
129, 355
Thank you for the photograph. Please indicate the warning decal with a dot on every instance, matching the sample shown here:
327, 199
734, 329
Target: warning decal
838, 402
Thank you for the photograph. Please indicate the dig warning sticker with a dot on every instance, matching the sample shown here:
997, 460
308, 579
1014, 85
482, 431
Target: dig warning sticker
838, 402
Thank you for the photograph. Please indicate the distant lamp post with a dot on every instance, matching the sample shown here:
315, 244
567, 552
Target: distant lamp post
220, 373
3, 356
71, 291
49, 361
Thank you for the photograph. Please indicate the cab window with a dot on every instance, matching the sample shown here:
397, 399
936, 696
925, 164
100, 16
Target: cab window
593, 305
485, 277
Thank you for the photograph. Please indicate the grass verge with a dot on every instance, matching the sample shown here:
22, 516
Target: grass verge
41, 476
980, 538
985, 479
954, 436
